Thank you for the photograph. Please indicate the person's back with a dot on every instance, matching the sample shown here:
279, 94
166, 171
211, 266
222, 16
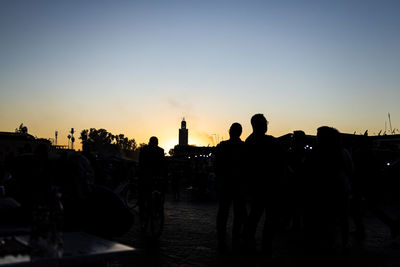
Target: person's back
151, 160
229, 165
264, 161
261, 151
326, 192
151, 174
265, 166
297, 156
330, 172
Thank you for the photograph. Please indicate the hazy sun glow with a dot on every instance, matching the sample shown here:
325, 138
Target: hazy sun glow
168, 145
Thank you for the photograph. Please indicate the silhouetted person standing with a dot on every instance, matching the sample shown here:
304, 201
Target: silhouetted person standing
151, 167
327, 192
229, 163
265, 166
297, 155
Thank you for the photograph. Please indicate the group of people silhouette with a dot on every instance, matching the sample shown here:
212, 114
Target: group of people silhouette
311, 190
304, 189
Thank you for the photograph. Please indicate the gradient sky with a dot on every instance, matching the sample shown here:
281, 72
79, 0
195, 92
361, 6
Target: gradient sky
138, 67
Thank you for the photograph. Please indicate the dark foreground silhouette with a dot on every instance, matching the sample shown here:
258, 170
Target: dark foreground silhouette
303, 202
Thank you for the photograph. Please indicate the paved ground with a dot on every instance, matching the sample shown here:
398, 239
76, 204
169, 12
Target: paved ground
189, 239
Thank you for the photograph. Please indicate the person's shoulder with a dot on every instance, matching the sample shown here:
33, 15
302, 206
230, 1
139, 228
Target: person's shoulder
235, 141
270, 138
239, 143
221, 146
249, 139
160, 150
223, 143
274, 143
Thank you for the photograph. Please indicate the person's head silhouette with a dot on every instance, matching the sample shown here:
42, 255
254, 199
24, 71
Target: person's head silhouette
259, 124
153, 141
298, 138
235, 131
328, 137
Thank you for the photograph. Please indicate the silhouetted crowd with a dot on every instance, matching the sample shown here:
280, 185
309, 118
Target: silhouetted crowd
312, 191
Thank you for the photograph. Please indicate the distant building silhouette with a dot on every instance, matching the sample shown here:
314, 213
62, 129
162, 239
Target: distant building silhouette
184, 150
183, 134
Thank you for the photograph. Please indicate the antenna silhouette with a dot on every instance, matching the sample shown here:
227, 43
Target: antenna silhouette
384, 133
390, 124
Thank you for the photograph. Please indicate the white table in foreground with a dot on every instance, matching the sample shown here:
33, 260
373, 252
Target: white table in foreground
79, 248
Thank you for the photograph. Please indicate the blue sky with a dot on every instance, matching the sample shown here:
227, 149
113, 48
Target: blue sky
138, 67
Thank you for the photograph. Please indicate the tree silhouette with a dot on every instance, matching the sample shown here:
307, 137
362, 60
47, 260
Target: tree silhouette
142, 145
102, 141
124, 144
21, 129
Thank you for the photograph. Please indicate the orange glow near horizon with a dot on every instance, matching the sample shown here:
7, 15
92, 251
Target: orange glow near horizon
168, 145
171, 143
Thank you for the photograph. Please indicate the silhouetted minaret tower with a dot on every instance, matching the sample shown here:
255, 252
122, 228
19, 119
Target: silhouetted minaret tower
183, 134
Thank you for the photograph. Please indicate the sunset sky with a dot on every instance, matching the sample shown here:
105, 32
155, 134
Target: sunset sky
138, 67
